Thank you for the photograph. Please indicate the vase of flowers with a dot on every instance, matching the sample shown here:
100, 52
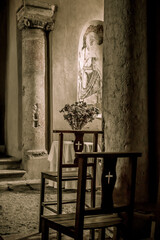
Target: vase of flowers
79, 114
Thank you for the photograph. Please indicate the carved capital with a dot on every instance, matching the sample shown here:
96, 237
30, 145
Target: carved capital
36, 15
36, 153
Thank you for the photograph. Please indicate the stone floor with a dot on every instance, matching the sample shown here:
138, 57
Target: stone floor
19, 213
19, 207
19, 210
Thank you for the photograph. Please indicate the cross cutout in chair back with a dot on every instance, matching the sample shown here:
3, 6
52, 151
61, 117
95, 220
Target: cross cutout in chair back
108, 183
95, 216
78, 142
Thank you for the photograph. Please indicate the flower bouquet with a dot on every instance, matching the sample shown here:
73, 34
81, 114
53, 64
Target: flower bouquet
79, 114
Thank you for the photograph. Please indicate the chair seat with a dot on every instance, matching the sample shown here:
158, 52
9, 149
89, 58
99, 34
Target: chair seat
90, 221
103, 214
66, 175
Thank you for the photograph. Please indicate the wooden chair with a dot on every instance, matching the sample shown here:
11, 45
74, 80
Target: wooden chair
72, 175
151, 210
107, 214
147, 211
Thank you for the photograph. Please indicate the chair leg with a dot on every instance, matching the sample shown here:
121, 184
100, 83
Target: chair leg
125, 232
59, 204
92, 234
117, 233
45, 230
42, 191
101, 234
93, 190
59, 236
93, 197
153, 227
59, 198
157, 227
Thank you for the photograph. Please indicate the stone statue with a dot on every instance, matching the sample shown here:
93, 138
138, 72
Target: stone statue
36, 115
90, 66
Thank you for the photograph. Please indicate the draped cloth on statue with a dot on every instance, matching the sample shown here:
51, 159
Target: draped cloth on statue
93, 85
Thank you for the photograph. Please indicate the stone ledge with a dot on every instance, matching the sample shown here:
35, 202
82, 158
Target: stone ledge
7, 184
10, 172
4, 160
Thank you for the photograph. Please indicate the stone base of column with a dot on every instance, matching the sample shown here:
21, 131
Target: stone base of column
35, 162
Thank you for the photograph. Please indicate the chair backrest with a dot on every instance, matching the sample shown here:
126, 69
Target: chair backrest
78, 143
108, 182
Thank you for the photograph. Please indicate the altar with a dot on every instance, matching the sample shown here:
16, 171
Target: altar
68, 157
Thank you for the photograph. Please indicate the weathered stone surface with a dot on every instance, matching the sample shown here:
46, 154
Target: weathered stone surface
33, 18
36, 15
125, 85
34, 76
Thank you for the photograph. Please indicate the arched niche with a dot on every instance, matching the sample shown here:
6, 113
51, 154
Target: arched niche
90, 61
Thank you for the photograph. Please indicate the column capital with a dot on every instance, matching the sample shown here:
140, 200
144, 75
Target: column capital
35, 14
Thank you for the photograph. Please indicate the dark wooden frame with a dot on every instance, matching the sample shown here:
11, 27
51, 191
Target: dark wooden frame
78, 220
71, 176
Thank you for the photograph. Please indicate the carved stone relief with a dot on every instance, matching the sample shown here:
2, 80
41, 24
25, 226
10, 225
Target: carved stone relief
90, 58
35, 115
40, 16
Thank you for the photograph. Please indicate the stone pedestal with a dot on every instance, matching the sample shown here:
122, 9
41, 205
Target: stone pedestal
34, 19
125, 86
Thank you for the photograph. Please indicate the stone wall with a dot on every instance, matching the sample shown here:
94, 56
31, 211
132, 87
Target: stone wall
3, 55
71, 18
12, 104
125, 85
63, 44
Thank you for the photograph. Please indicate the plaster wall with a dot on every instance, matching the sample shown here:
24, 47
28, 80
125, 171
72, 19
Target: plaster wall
12, 106
70, 20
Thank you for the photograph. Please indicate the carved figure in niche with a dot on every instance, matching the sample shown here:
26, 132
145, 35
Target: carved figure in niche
90, 66
36, 115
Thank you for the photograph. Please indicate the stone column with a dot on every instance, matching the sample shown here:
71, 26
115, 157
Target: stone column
125, 85
34, 20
